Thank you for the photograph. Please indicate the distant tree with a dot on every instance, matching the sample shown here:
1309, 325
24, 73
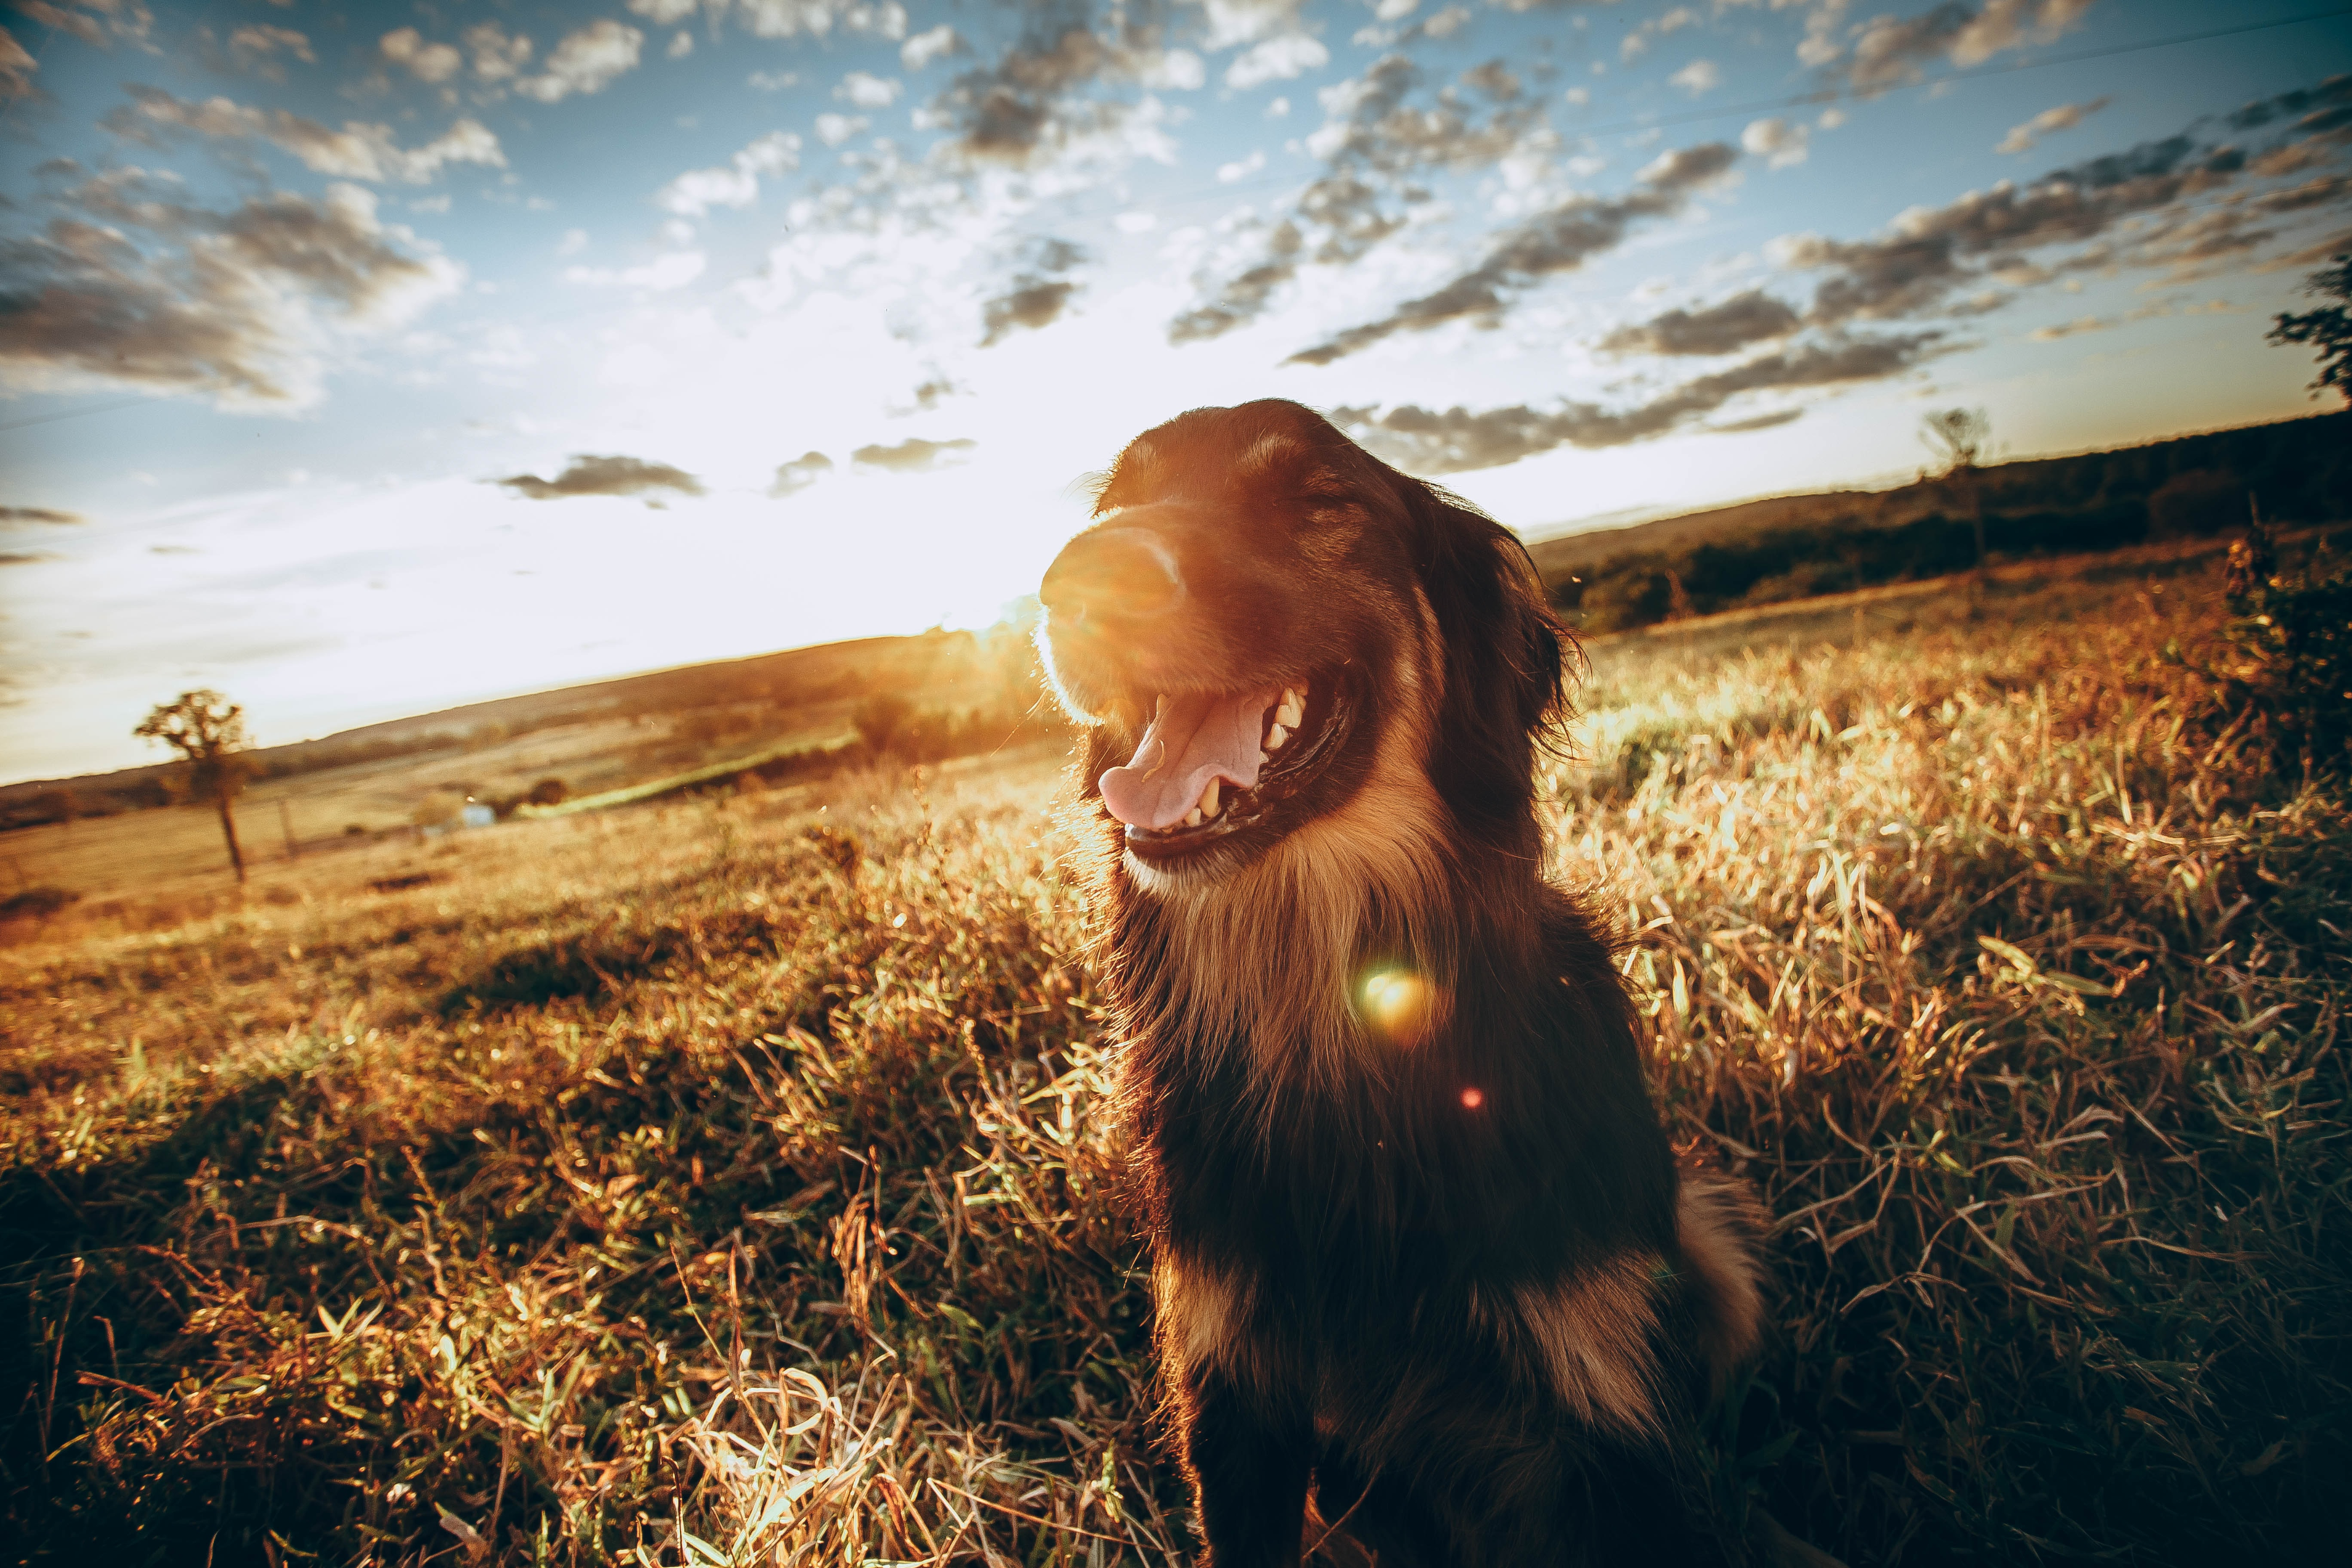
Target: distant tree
208, 731
1962, 437
2328, 328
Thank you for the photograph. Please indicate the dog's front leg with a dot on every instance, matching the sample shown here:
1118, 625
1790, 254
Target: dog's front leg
1248, 1456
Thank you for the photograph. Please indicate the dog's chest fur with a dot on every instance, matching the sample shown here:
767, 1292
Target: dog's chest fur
1324, 1197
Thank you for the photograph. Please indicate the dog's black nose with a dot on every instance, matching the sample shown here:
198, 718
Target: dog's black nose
1115, 574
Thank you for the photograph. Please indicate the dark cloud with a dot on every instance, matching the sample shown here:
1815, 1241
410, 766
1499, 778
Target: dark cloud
1030, 303
1742, 319
1032, 100
16, 67
1544, 245
594, 476
1688, 168
1458, 440
1005, 109
2324, 108
1933, 251
134, 285
1246, 296
1892, 50
934, 392
800, 473
360, 151
1373, 142
20, 557
38, 515
914, 455
1757, 422
1494, 79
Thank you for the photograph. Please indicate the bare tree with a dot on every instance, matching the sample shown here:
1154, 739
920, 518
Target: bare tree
208, 731
1962, 436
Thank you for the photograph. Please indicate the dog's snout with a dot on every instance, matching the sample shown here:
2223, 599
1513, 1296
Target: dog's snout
1113, 573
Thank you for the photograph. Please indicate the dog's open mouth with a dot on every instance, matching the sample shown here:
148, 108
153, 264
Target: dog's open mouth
1213, 764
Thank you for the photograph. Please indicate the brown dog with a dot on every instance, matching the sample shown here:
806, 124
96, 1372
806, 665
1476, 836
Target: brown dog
1419, 1245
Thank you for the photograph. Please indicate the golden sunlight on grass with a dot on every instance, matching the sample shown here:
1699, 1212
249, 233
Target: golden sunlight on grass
729, 1183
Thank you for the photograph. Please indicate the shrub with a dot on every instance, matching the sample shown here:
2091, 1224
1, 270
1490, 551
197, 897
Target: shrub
2294, 632
36, 903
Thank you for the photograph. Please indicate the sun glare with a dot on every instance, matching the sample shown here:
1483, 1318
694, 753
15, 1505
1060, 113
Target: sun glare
1397, 1003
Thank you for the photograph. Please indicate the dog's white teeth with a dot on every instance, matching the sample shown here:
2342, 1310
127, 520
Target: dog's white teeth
1193, 817
1275, 736
1208, 806
1293, 708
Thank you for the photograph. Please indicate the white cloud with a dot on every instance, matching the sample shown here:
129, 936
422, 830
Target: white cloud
773, 81
427, 62
833, 130
1242, 168
2065, 117
358, 151
681, 45
1784, 145
1276, 59
1278, 109
924, 47
816, 18
1395, 10
1235, 22
662, 13
497, 57
1136, 222
1448, 23
1177, 69
1699, 77
588, 60
573, 242
867, 90
675, 269
735, 184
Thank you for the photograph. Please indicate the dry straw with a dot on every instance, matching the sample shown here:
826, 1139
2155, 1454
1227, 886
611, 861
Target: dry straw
675, 1186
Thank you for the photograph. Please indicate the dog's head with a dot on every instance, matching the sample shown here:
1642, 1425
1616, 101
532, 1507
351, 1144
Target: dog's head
1261, 606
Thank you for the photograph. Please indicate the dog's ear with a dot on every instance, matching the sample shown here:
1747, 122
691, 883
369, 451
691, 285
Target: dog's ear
1505, 688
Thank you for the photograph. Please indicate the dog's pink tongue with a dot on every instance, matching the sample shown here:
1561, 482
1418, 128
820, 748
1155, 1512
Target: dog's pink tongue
1190, 740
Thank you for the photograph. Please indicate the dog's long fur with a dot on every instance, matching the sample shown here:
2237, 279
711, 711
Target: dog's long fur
1440, 1271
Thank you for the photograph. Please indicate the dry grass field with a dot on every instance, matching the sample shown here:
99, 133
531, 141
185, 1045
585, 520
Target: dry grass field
726, 1182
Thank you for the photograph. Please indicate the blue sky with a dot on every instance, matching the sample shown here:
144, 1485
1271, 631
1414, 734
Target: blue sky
358, 359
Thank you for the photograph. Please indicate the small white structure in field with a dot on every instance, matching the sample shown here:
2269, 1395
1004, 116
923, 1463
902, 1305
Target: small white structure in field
476, 814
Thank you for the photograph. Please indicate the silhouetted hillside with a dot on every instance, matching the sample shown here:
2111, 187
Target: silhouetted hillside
1791, 547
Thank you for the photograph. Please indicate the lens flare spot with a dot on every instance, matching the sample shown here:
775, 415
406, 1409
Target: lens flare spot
1396, 1003
1471, 1099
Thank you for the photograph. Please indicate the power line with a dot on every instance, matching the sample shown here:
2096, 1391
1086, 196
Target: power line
1691, 116
74, 413
1848, 95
